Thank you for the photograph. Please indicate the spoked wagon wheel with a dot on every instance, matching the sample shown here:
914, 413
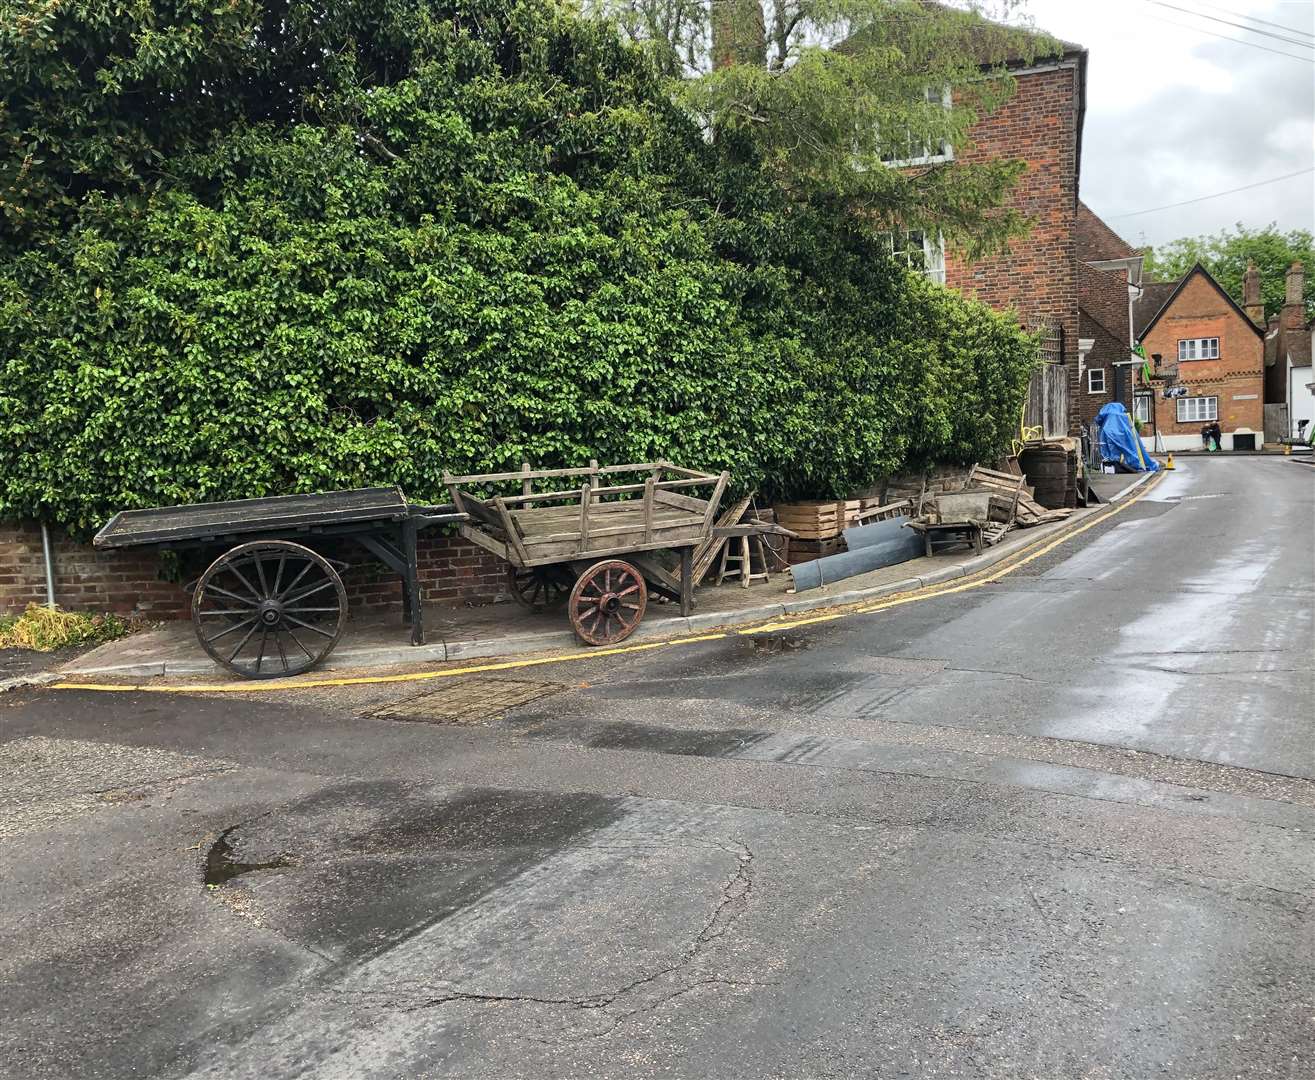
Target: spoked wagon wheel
269, 609
607, 602
536, 589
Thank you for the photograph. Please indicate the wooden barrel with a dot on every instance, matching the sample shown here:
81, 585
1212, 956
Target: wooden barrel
1047, 469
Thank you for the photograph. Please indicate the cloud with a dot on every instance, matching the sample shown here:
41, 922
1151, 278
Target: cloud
1173, 115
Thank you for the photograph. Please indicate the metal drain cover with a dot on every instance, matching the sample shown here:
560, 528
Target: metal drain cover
465, 701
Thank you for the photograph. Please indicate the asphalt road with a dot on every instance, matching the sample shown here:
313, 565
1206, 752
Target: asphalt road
1056, 826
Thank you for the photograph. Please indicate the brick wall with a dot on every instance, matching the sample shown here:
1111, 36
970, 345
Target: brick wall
85, 579
1037, 276
452, 571
1236, 378
1103, 317
1104, 352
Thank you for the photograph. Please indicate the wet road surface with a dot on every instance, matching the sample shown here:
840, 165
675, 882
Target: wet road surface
1058, 826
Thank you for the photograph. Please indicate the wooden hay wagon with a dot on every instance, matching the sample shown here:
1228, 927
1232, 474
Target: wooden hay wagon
600, 548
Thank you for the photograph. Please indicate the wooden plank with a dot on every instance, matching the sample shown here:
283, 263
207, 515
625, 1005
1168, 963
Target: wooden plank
484, 540
546, 474
684, 502
585, 492
616, 525
714, 500
602, 492
610, 553
509, 526
617, 540
648, 509
278, 512
686, 472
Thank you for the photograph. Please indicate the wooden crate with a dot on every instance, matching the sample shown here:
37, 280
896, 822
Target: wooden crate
802, 550
818, 520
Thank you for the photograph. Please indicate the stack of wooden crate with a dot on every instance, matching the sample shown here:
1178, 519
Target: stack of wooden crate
818, 525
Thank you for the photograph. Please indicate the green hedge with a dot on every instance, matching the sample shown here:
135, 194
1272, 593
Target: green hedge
484, 235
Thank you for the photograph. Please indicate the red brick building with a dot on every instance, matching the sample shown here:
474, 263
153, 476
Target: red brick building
1109, 279
1038, 275
1199, 339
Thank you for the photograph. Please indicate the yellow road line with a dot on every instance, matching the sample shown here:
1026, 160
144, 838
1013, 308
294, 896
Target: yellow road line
363, 680
913, 596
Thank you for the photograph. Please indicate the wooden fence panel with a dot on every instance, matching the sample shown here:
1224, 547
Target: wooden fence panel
1277, 426
1047, 401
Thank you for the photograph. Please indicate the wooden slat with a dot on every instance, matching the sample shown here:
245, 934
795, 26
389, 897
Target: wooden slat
543, 474
636, 525
648, 510
484, 540
509, 526
684, 502
618, 489
714, 500
585, 492
278, 512
574, 555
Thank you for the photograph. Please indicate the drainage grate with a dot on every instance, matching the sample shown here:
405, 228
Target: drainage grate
466, 701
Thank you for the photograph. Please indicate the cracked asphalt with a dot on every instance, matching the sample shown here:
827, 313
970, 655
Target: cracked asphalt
1057, 826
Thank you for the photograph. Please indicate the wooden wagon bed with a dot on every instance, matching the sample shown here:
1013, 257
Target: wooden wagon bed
554, 537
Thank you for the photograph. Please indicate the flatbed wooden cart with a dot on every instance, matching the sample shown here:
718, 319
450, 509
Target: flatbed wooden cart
599, 547
271, 605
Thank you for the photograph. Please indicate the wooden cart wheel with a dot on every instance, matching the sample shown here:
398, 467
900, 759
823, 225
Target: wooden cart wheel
269, 609
536, 589
607, 602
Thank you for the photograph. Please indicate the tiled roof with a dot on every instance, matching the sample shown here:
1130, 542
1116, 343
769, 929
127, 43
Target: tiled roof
1153, 297
1096, 241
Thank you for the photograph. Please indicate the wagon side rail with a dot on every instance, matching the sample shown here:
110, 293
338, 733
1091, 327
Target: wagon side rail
535, 528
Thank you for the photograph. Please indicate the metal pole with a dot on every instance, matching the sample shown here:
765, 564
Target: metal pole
50, 565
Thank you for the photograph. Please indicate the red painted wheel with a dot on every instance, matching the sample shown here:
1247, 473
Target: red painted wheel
607, 602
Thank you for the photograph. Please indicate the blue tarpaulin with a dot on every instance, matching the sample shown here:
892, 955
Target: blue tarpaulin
1118, 441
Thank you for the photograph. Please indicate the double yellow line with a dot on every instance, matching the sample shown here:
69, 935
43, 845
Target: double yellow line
913, 597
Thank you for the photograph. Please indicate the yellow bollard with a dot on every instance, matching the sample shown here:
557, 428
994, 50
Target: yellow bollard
1168, 465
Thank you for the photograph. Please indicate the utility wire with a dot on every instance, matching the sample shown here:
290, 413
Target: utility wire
1235, 41
1239, 26
1263, 22
1216, 195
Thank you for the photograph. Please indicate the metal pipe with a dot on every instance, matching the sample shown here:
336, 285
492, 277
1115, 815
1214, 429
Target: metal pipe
50, 565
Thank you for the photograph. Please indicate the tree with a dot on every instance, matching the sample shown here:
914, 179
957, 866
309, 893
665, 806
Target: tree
826, 94
1226, 254
313, 250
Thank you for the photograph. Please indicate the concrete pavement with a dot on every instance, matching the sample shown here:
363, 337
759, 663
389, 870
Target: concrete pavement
1057, 826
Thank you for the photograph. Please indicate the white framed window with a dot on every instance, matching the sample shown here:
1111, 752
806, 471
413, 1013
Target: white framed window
1198, 348
911, 151
1141, 407
918, 251
1193, 409
1096, 380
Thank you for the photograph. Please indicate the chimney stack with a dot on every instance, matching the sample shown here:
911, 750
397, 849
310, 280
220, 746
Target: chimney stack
1251, 301
1294, 303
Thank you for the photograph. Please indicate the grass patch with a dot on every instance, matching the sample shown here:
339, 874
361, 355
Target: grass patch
45, 629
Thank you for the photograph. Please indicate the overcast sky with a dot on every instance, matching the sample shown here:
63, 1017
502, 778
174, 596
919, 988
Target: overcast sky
1174, 112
